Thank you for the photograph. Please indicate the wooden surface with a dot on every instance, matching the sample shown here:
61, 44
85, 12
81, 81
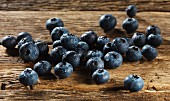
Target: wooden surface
156, 74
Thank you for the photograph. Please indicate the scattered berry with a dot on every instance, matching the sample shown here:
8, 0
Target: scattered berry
131, 11
54, 22
133, 54
130, 25
9, 42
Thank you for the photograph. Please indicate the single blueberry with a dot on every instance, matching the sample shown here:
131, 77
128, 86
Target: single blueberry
29, 52
133, 83
22, 35
54, 22
113, 60
101, 41
131, 11
42, 68
107, 47
94, 53
63, 70
139, 39
100, 76
149, 52
56, 43
130, 41
133, 54
57, 32
82, 49
43, 47
9, 42
154, 40
107, 22
24, 40
130, 25
153, 29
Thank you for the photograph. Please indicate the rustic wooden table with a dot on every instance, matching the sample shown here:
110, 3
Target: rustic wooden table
80, 16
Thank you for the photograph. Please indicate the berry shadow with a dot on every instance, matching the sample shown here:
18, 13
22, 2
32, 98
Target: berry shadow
50, 76
116, 88
12, 52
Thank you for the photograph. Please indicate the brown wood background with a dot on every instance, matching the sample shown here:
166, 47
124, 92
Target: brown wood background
80, 16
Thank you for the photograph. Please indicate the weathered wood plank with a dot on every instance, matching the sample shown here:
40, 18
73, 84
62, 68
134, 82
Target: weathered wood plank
83, 5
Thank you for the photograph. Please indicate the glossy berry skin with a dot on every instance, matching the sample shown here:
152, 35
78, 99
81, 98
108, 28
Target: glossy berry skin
94, 63
107, 22
9, 42
69, 41
57, 54
82, 49
72, 57
23, 41
149, 52
130, 25
28, 77
139, 39
89, 37
100, 76
131, 11
43, 47
120, 45
130, 41
22, 35
133, 54
57, 32
113, 60
154, 40
54, 22
107, 47
133, 83
42, 68
101, 41
153, 29
56, 43
94, 53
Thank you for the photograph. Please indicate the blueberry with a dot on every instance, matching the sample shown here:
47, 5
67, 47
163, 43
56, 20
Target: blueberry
130, 41
139, 39
120, 45
57, 54
82, 49
113, 60
23, 41
42, 68
154, 40
100, 76
63, 70
29, 52
54, 22
22, 35
72, 57
131, 11
94, 63
101, 41
133, 54
69, 41
57, 32
94, 53
133, 83
28, 77
149, 52
130, 25
9, 42
107, 22
107, 48
43, 47
89, 37
153, 29
56, 43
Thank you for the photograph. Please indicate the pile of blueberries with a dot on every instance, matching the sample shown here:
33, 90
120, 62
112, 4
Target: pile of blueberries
94, 53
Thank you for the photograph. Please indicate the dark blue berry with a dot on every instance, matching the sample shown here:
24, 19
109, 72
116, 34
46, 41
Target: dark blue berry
43, 47
130, 25
133, 83
9, 42
130, 41
154, 40
113, 60
100, 76
101, 41
56, 43
94, 53
82, 49
23, 41
107, 47
131, 11
149, 52
153, 29
120, 45
72, 57
28, 77
22, 35
139, 39
69, 41
42, 68
133, 54
63, 70
107, 22
57, 32
54, 22
29, 52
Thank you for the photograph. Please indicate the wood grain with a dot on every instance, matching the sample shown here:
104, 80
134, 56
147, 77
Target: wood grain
83, 5
156, 74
